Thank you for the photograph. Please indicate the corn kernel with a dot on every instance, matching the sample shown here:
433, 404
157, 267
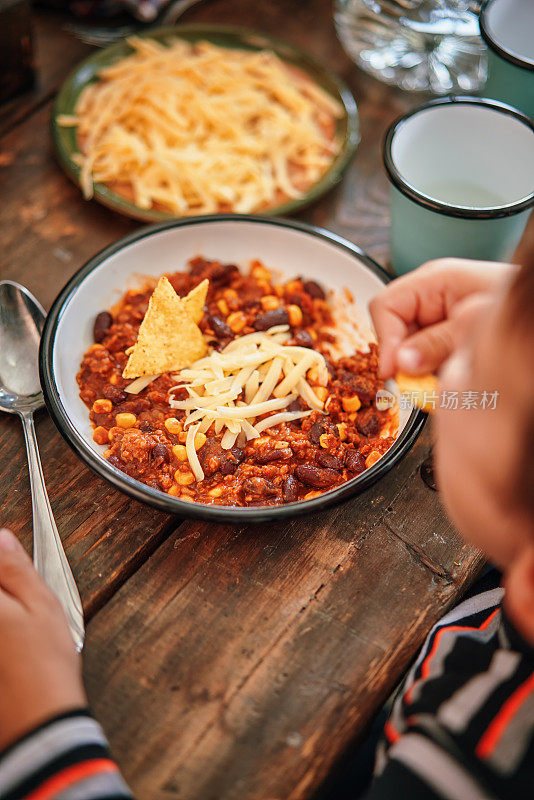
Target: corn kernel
180, 452
223, 307
279, 290
174, 491
342, 428
353, 417
230, 294
114, 379
313, 375
125, 420
100, 435
321, 392
237, 321
102, 406
323, 440
200, 440
351, 403
217, 492
311, 495
293, 286
173, 426
107, 453
295, 315
260, 273
372, 458
184, 478
269, 302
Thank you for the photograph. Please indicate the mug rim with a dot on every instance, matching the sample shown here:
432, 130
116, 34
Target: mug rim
495, 46
440, 206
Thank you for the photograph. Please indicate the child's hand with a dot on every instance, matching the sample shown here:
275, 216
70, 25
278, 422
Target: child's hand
412, 315
40, 671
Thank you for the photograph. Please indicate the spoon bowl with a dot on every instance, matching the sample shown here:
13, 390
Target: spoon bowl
21, 323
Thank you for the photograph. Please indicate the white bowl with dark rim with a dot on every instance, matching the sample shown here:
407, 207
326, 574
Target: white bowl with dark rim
292, 248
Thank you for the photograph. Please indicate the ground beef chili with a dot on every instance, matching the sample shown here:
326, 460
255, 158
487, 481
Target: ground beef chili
297, 460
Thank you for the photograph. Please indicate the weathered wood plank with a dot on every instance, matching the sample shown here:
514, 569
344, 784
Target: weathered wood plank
106, 535
255, 655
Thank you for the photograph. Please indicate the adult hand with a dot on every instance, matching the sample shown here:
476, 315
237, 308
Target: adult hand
414, 314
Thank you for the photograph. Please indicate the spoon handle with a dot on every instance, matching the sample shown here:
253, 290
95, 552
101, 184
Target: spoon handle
48, 554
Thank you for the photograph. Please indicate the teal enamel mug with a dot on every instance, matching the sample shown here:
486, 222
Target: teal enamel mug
507, 27
462, 181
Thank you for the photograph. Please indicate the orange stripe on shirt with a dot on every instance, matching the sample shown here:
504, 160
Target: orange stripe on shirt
69, 776
390, 732
425, 667
491, 737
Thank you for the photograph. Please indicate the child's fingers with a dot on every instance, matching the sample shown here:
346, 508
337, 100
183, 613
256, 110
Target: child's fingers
426, 350
17, 574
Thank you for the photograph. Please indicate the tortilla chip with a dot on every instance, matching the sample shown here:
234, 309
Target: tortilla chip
196, 299
168, 338
423, 390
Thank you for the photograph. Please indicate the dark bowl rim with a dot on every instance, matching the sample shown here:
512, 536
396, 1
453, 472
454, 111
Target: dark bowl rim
107, 197
159, 499
400, 183
514, 59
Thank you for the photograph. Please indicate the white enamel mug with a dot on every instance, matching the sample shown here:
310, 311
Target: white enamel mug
507, 27
462, 181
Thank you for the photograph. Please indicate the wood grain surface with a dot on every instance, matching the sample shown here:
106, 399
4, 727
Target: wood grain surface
225, 662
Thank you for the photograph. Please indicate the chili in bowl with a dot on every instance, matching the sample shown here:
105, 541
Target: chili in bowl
283, 411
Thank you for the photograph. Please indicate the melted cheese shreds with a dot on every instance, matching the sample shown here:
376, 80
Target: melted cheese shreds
255, 375
192, 457
139, 384
277, 419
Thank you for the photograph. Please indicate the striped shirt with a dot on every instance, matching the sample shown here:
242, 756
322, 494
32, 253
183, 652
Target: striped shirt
66, 758
463, 726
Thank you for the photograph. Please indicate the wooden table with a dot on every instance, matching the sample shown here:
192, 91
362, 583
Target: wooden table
225, 662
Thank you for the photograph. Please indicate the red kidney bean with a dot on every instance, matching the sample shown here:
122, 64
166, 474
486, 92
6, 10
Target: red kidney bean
223, 274
228, 465
160, 454
367, 422
314, 289
259, 487
315, 432
238, 452
103, 323
277, 316
211, 456
219, 327
297, 405
114, 394
273, 455
303, 339
315, 476
231, 461
290, 489
354, 461
326, 459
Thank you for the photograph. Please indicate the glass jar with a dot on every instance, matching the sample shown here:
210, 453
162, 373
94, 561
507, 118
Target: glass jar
418, 45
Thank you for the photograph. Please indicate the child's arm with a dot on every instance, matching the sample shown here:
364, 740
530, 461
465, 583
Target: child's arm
50, 746
67, 756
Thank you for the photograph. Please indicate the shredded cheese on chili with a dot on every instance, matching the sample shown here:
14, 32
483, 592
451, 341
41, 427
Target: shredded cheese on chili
254, 375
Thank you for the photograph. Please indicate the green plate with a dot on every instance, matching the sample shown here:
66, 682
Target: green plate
237, 38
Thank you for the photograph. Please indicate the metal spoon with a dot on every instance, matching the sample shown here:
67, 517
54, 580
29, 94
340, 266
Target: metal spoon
21, 323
